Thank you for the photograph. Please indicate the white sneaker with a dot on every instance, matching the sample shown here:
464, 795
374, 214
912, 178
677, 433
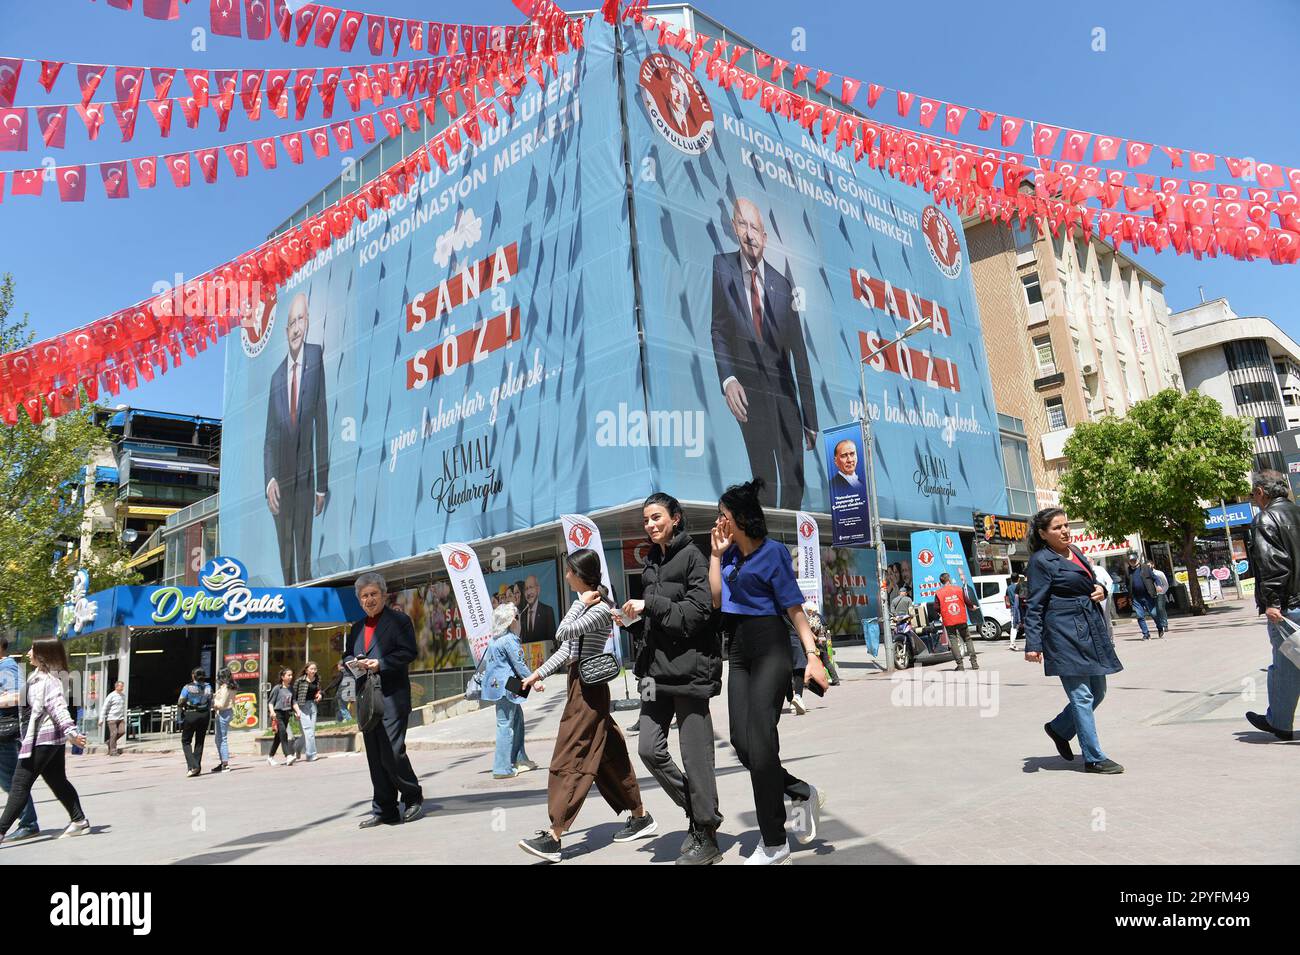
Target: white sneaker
807, 814
770, 855
76, 829
800, 708
270, 761
525, 765
291, 760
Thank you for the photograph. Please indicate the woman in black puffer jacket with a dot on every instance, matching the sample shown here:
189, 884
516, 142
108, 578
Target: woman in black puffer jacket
678, 670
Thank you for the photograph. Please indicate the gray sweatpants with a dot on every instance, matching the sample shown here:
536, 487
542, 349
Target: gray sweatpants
696, 788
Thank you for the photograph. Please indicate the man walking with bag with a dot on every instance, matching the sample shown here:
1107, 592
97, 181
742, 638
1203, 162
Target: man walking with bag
953, 603
1276, 559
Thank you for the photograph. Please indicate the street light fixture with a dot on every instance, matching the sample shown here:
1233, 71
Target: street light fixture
876, 534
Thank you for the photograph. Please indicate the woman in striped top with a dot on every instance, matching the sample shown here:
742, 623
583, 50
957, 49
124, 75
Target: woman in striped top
589, 747
48, 727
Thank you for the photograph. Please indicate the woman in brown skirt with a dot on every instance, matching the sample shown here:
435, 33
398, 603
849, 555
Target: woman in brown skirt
589, 748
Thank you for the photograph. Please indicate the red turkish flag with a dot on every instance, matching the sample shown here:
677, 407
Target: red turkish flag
226, 84
265, 150
929, 110
10, 69
160, 9
1076, 144
1045, 139
452, 136
178, 164
905, 102
146, 171
162, 81
128, 81
375, 34
250, 90
328, 88
353, 93
1201, 162
207, 160
222, 108
1228, 192
302, 84
954, 116
116, 182
320, 143
49, 73
1137, 154
449, 100
1175, 156
200, 86
1269, 176
349, 29
434, 36
82, 348
396, 26
276, 82
126, 116
849, 89
283, 18
257, 19
53, 123
874, 92
366, 126
412, 117
225, 18
415, 34
327, 19
89, 76
292, 143
342, 135
1240, 168
190, 110
237, 154
13, 129
303, 21
1011, 130
72, 183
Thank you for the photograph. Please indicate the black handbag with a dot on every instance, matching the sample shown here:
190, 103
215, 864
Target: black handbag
11, 727
597, 669
370, 704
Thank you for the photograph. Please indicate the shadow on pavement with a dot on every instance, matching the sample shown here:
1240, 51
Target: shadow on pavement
1053, 764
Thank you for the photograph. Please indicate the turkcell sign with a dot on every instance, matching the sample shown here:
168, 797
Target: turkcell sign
1233, 515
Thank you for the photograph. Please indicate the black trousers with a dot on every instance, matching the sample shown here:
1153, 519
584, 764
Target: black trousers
194, 731
774, 442
281, 741
46, 762
756, 686
293, 528
694, 787
391, 774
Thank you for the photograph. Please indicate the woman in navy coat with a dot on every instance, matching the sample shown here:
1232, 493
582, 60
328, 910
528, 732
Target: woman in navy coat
1065, 630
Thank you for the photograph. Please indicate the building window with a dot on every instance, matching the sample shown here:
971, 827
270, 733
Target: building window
1268, 426
1021, 498
1250, 353
1253, 391
1033, 291
1055, 414
1046, 357
1024, 238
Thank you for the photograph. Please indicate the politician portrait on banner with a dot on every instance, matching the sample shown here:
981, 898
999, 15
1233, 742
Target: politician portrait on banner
849, 493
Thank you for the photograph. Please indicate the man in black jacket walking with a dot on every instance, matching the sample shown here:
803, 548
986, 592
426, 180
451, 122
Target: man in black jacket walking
1275, 556
383, 644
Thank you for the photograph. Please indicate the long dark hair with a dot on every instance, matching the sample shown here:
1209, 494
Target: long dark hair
1041, 522
585, 565
50, 654
671, 505
224, 678
746, 511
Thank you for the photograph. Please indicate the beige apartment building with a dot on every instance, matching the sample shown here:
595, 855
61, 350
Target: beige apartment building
1073, 330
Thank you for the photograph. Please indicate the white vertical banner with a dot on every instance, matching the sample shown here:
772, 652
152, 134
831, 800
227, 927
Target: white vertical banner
581, 532
809, 558
472, 596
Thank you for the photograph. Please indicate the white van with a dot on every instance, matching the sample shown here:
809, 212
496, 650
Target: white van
991, 592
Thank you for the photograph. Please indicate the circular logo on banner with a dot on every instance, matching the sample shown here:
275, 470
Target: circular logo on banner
806, 529
458, 559
676, 103
926, 558
580, 535
256, 323
941, 240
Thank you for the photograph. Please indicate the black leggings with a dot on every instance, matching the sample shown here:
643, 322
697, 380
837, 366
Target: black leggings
281, 740
47, 762
758, 680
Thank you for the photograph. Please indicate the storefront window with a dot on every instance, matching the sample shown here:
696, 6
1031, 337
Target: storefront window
242, 655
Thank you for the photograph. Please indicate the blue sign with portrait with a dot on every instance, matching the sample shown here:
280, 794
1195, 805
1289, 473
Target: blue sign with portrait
849, 493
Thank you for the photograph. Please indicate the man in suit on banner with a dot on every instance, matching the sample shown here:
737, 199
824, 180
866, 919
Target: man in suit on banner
846, 480
537, 620
759, 349
296, 455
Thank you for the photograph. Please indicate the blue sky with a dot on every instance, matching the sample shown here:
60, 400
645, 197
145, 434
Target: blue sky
1195, 74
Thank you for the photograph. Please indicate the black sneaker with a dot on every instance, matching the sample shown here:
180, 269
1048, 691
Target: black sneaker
692, 835
371, 821
220, 767
1261, 723
1062, 744
1107, 767
703, 851
543, 845
637, 827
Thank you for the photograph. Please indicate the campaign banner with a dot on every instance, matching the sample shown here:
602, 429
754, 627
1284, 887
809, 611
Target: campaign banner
809, 573
933, 553
849, 493
471, 593
581, 532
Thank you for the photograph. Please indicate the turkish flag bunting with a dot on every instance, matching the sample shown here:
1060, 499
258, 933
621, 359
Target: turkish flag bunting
72, 183
227, 84
929, 110
366, 125
178, 164
265, 150
472, 129
1175, 156
987, 118
389, 118
415, 34
93, 117
849, 90
320, 142
1045, 139
1269, 175
146, 171
352, 90
452, 136
250, 90
89, 76
1228, 192
302, 84
343, 135
13, 129
1137, 153
162, 81
1011, 130
395, 27
327, 20
955, 116
160, 9
874, 92
778, 67
1202, 162
303, 21
225, 17
375, 34
257, 19
350, 29
276, 82
292, 143
237, 154
49, 73
1199, 188
1240, 168
1076, 145
128, 81
190, 110
412, 117
115, 179
126, 116
905, 102
10, 69
200, 86
222, 108
53, 121
207, 160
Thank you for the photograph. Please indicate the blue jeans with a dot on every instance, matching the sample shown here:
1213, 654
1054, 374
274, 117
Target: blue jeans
8, 763
1015, 617
307, 720
510, 737
344, 713
1145, 607
223, 734
1086, 694
1283, 680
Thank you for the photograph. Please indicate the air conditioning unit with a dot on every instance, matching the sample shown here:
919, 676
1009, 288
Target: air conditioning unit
1087, 368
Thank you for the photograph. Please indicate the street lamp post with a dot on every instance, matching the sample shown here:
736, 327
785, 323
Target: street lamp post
876, 535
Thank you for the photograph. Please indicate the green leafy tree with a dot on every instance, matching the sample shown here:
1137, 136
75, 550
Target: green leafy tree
1149, 473
42, 516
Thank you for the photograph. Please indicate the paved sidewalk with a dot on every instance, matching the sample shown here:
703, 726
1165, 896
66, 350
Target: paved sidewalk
907, 782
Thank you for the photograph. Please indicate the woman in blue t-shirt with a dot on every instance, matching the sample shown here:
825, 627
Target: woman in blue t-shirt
753, 583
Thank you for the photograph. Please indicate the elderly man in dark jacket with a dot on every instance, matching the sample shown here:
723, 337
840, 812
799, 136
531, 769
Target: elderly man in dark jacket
678, 670
1275, 556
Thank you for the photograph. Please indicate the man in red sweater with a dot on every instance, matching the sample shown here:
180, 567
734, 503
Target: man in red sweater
953, 602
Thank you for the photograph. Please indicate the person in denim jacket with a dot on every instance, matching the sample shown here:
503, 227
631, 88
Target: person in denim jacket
505, 658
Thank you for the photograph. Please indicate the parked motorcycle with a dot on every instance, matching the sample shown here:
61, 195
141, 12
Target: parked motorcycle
925, 646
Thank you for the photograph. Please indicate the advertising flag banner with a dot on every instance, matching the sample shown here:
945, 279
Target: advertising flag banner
471, 592
809, 573
934, 553
850, 495
581, 532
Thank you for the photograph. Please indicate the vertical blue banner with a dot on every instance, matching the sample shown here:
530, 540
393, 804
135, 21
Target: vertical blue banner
849, 493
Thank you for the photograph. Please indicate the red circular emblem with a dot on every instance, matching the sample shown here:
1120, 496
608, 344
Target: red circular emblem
941, 240
676, 104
